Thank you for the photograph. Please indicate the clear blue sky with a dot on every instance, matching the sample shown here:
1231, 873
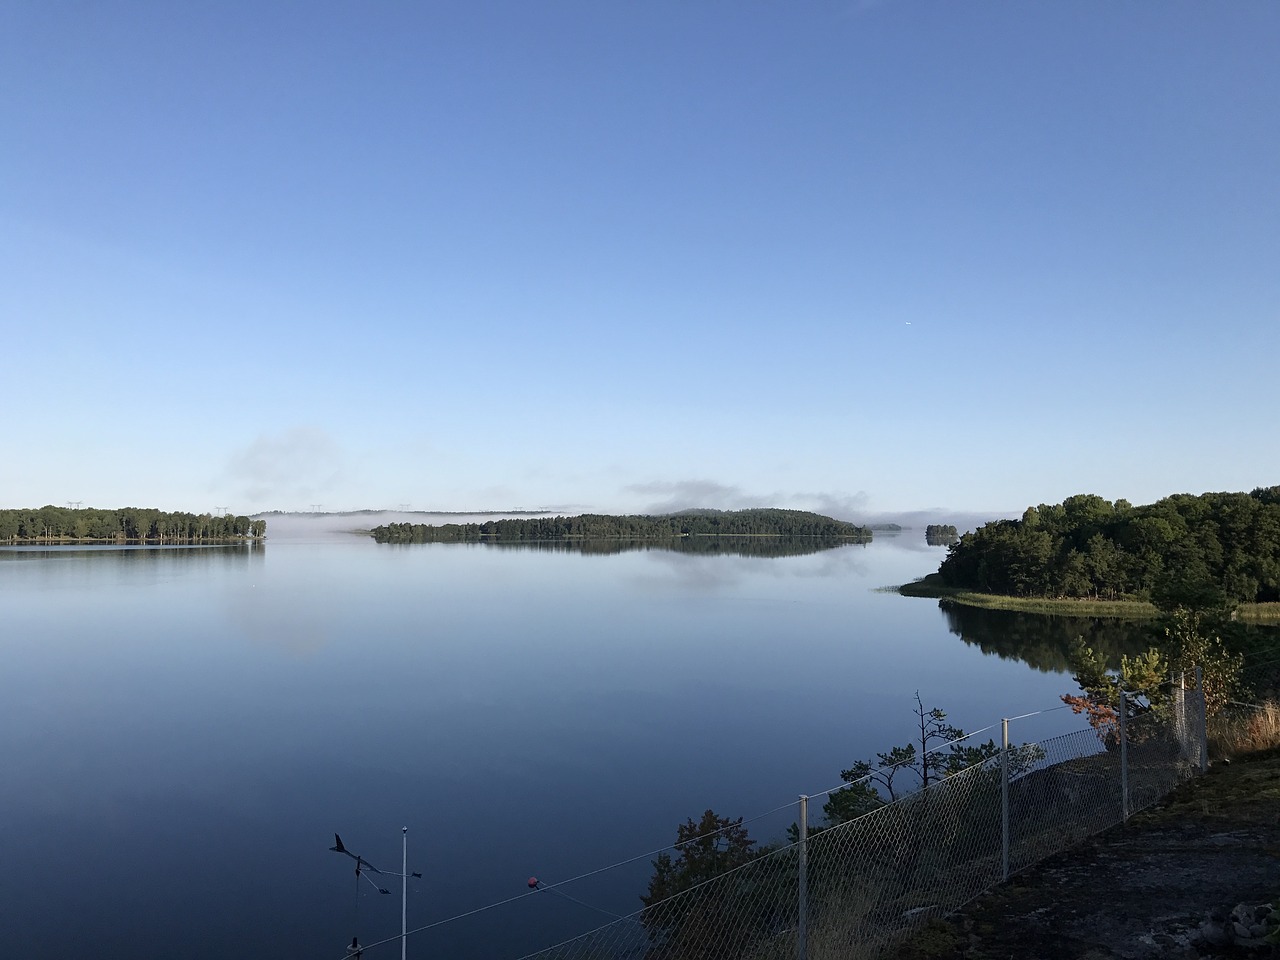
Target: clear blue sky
862, 256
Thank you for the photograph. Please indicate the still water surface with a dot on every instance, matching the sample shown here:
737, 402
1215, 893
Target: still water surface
183, 730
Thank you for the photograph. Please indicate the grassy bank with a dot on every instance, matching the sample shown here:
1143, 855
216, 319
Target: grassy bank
933, 587
1258, 612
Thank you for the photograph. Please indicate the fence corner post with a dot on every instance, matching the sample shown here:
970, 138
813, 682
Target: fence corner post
1202, 708
1124, 756
1004, 798
803, 883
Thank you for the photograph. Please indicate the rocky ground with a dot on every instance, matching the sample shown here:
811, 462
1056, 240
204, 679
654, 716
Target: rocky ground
1193, 878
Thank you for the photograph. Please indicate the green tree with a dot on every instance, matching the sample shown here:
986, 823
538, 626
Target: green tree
937, 750
705, 848
1145, 675
852, 801
1195, 642
720, 918
1201, 552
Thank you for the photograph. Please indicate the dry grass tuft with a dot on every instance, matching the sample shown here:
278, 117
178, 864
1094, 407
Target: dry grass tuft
1240, 730
1258, 612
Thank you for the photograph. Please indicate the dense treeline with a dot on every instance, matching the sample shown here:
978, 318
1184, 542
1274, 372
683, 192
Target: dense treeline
940, 534
1195, 551
51, 524
782, 546
590, 526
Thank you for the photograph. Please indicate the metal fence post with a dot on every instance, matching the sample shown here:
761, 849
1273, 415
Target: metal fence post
1179, 688
1124, 756
1203, 711
803, 889
1004, 796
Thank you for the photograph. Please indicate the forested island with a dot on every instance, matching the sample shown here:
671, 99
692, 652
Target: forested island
732, 546
50, 524
1199, 552
940, 534
591, 526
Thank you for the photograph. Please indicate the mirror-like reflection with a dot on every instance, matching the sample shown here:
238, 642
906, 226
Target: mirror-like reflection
1043, 641
183, 730
699, 546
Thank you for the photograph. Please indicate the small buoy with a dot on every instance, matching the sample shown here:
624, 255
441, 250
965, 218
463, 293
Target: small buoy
533, 883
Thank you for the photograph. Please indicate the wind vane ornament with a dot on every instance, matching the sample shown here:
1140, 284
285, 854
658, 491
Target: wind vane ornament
363, 865
360, 862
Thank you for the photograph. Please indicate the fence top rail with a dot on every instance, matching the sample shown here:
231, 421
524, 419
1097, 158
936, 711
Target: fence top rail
1252, 706
1034, 713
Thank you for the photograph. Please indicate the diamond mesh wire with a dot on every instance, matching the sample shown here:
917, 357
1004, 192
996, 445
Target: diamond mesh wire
1157, 761
1069, 793
751, 911
872, 880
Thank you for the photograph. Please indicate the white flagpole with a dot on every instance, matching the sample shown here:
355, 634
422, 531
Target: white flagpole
404, 890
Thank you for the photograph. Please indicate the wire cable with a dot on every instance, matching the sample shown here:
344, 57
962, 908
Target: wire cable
1252, 706
581, 903
583, 876
893, 766
1265, 663
742, 821
675, 846
1036, 713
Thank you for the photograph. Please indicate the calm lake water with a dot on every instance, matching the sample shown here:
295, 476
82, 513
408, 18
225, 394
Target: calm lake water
183, 730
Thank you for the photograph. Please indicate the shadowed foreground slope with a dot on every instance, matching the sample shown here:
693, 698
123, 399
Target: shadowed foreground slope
1139, 891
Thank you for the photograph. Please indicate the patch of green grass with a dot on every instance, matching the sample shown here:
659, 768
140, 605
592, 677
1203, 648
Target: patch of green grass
933, 587
935, 939
1246, 789
930, 586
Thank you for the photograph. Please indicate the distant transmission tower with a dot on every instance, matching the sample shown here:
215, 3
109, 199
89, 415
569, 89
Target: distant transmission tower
223, 510
74, 504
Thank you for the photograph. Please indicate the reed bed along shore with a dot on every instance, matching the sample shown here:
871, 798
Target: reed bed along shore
933, 587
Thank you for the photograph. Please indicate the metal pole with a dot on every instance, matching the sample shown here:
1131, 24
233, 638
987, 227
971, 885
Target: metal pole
1180, 716
1004, 795
404, 890
1203, 710
1124, 757
803, 892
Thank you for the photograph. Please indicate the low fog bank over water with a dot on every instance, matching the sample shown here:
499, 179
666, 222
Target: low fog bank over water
336, 526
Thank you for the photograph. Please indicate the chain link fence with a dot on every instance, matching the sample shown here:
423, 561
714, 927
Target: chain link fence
851, 890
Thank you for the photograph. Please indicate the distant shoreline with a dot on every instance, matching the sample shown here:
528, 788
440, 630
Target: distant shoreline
414, 513
757, 522
126, 542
